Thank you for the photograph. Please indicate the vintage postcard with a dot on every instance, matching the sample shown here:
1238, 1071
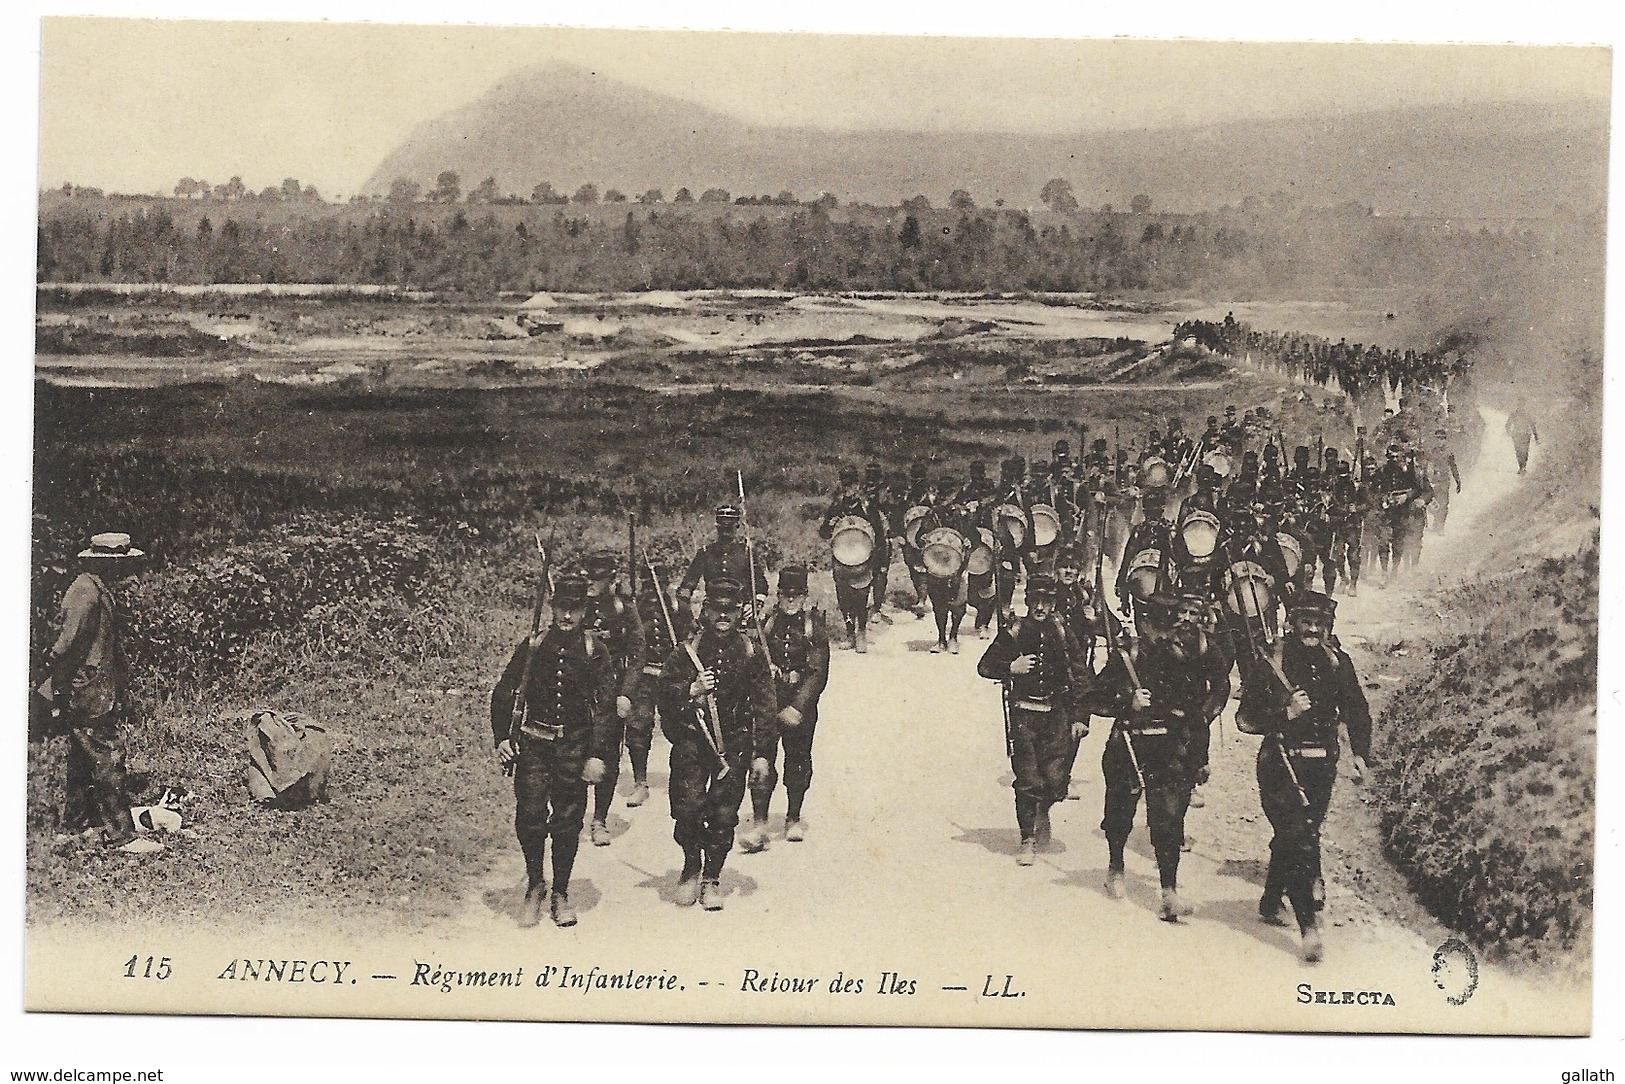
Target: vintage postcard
607, 525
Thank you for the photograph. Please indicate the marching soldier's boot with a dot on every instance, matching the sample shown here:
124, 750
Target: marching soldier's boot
860, 640
1115, 888
755, 838
1313, 948
600, 834
688, 882
711, 895
953, 644
1197, 799
1041, 829
530, 911
939, 647
1027, 853
639, 795
795, 829
563, 913
1173, 908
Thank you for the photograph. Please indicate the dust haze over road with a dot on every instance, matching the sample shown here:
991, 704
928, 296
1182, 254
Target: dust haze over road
910, 865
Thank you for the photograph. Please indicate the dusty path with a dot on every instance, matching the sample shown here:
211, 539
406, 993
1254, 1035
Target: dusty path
910, 866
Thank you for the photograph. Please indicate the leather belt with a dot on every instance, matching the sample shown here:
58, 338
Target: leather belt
1151, 731
653, 670
1312, 752
1033, 705
542, 731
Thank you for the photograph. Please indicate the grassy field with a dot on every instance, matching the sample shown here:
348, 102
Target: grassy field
241, 485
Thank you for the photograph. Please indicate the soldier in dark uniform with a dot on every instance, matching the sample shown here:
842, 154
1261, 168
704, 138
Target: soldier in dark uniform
719, 714
1009, 552
1160, 691
613, 621
950, 595
1232, 432
726, 558
1046, 677
1346, 512
1520, 426
888, 522
1442, 470
561, 741
852, 586
664, 627
921, 494
798, 646
1150, 533
1075, 606
1397, 489
1297, 762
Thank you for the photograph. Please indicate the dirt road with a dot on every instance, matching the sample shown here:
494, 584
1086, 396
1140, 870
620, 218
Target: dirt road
909, 867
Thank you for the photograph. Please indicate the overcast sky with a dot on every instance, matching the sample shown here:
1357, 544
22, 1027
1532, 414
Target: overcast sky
132, 105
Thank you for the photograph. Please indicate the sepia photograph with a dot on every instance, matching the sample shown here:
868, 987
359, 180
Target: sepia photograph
652, 526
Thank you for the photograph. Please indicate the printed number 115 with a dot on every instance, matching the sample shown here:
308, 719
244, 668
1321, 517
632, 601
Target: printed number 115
149, 967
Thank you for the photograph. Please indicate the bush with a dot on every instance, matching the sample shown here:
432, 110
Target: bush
342, 583
1486, 768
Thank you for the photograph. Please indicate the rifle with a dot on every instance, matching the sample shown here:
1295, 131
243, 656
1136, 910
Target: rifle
660, 595
544, 590
632, 552
707, 719
1114, 639
750, 560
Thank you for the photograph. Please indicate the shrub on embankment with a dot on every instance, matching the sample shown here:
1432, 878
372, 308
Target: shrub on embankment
1486, 768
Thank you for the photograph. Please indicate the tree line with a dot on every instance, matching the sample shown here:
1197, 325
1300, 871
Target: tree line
679, 245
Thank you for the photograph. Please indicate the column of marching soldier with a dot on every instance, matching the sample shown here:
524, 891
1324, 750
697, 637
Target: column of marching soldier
1212, 539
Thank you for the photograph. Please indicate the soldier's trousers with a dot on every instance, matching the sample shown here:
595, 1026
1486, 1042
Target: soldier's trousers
983, 596
705, 808
95, 791
1004, 587
948, 598
1167, 795
1039, 741
854, 604
917, 575
798, 768
882, 573
1317, 557
639, 736
1408, 544
1294, 868
1346, 554
550, 802
1441, 504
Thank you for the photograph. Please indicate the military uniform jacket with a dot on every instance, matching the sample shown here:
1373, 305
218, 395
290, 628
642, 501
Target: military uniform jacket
722, 560
1327, 674
1186, 690
744, 696
1061, 677
569, 694
1075, 605
1394, 487
799, 647
658, 640
615, 623
87, 664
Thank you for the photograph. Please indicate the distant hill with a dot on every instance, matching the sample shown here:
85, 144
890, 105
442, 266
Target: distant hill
564, 125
